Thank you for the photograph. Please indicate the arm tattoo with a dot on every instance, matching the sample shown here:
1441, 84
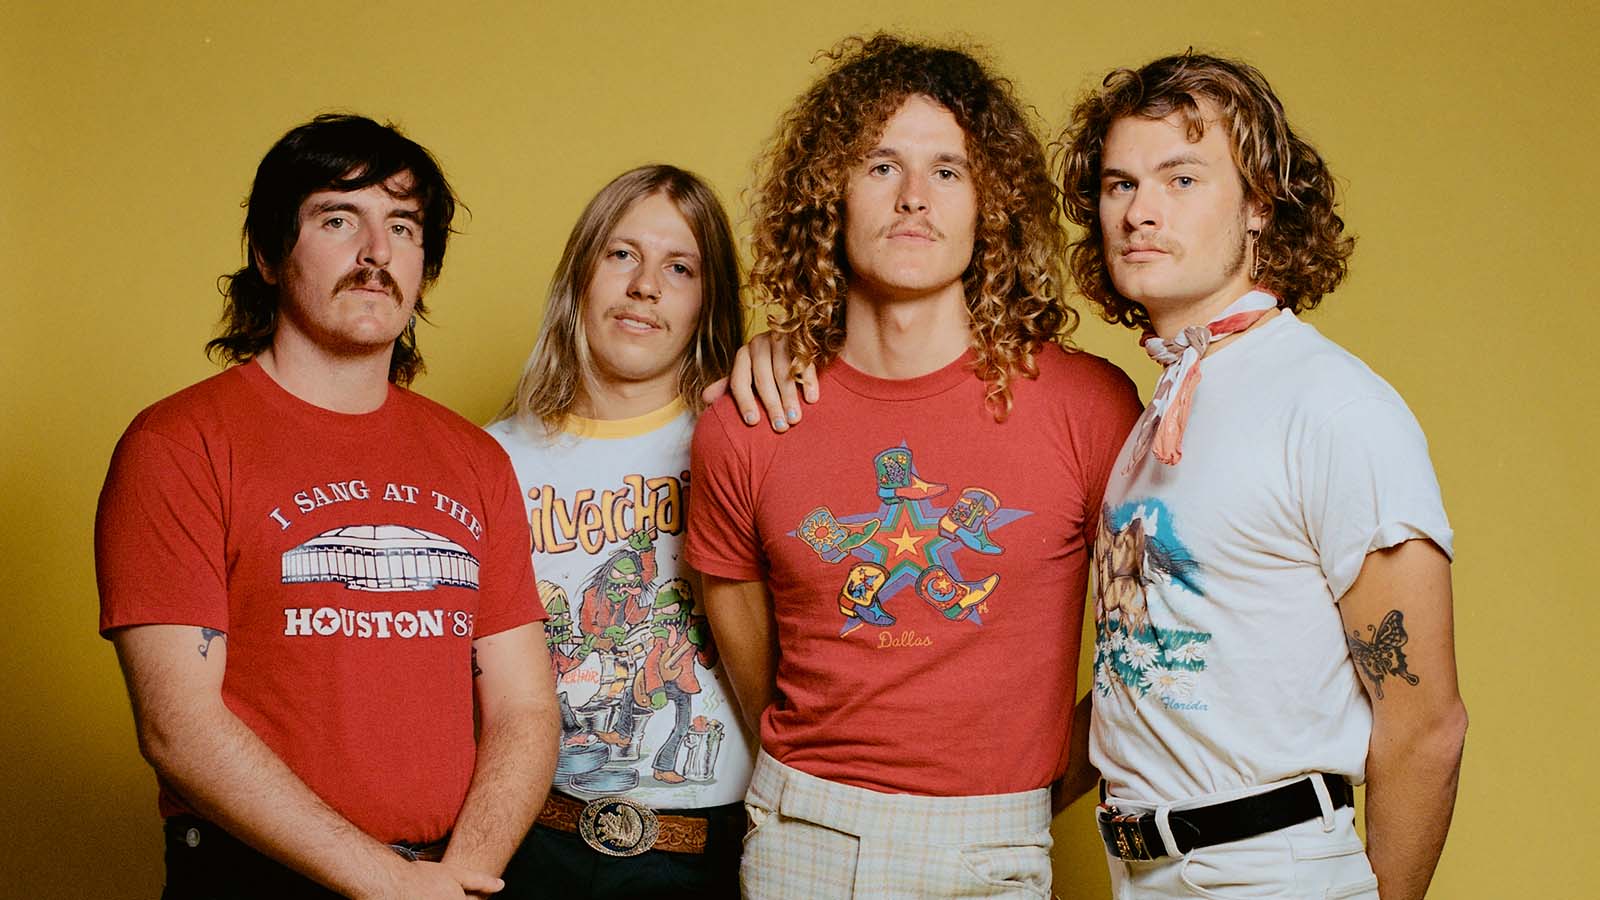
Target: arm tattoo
208, 635
1381, 655
476, 669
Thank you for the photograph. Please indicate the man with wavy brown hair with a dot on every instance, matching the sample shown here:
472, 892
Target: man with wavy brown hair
1267, 534
897, 588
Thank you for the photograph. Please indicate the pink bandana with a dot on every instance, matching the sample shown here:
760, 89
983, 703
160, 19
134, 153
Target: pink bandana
1160, 428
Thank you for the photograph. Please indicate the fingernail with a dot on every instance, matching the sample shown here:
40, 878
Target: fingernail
780, 425
793, 414
751, 418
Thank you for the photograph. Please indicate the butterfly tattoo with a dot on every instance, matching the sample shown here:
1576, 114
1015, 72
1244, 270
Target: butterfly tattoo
1381, 655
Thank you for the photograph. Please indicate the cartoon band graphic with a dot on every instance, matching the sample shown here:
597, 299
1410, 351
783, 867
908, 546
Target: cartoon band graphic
1137, 549
638, 643
910, 543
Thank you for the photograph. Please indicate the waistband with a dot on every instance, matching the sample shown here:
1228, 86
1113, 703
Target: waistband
1111, 797
863, 812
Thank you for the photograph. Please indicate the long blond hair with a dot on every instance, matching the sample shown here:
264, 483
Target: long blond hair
560, 363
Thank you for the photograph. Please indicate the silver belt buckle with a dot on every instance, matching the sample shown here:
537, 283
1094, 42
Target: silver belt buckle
617, 826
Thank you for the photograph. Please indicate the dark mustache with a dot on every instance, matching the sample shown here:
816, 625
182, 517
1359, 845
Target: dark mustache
360, 278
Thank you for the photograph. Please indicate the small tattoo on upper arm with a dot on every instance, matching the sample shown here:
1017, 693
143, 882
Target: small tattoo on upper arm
1382, 655
476, 669
208, 635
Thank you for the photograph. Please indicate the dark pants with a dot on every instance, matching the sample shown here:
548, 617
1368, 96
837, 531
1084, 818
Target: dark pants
220, 867
559, 865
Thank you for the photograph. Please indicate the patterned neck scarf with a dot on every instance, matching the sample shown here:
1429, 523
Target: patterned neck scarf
1160, 428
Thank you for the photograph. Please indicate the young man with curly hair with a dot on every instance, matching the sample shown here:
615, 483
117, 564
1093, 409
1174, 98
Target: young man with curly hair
1272, 539
897, 588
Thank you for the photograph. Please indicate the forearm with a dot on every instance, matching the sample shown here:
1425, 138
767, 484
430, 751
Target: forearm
1411, 793
229, 776
741, 624
515, 765
1081, 775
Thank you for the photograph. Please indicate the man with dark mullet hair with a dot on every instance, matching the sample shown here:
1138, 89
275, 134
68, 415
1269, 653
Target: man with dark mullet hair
312, 575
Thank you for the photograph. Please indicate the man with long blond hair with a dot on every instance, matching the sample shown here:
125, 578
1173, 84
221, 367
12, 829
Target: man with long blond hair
643, 312
1272, 539
897, 588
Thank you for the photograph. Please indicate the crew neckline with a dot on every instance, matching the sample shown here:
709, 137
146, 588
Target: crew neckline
921, 387
281, 397
615, 429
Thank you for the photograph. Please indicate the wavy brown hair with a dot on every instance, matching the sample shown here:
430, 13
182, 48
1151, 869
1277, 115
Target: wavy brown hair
1014, 283
1303, 249
554, 377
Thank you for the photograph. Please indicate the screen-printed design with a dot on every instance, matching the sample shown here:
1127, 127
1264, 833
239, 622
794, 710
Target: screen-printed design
381, 558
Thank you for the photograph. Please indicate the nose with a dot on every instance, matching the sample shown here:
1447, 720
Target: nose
1143, 211
645, 284
913, 196
375, 250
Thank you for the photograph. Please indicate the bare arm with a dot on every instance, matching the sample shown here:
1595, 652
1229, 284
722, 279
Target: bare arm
1081, 776
740, 613
1398, 623
762, 379
225, 772
517, 737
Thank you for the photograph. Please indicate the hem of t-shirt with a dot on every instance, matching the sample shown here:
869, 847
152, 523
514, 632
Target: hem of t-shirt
618, 429
922, 387
158, 616
492, 625
718, 568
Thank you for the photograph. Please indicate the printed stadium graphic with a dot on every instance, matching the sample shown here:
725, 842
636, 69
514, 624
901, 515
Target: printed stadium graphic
381, 558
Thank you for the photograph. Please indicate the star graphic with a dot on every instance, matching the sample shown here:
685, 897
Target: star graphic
905, 543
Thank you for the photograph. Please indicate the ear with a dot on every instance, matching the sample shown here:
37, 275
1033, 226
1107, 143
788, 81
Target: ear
1259, 215
267, 274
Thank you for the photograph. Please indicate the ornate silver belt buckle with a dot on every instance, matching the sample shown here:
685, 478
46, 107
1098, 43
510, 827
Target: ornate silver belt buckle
617, 826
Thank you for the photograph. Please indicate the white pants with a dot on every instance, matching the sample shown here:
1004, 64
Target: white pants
1319, 859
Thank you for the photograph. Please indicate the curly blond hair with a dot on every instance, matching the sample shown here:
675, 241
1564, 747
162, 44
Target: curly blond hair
1303, 250
1014, 283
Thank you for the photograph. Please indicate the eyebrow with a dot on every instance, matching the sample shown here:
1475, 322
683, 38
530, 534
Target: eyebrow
890, 152
327, 206
685, 254
1185, 159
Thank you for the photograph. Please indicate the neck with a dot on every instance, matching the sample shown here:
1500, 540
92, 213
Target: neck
905, 337
1167, 319
610, 400
343, 384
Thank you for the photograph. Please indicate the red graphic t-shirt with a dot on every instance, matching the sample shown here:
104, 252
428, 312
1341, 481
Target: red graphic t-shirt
350, 559
927, 566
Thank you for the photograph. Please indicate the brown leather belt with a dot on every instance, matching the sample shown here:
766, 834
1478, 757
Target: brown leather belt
617, 826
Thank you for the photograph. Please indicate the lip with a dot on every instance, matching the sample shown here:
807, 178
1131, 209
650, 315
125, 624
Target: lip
636, 322
1142, 254
911, 234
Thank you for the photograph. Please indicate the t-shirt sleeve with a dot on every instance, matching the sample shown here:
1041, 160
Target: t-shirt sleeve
510, 594
722, 532
1117, 409
1367, 484
159, 536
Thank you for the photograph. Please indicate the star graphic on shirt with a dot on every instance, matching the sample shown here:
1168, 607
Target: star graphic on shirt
327, 620
906, 543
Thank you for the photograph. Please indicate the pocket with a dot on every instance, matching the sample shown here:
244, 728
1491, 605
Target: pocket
1334, 867
1257, 868
1015, 869
755, 817
1366, 887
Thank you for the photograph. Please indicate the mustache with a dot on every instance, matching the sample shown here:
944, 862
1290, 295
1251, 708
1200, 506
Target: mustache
1147, 242
921, 225
617, 309
366, 275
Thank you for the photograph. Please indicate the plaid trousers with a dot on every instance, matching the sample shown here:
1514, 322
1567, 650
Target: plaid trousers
813, 838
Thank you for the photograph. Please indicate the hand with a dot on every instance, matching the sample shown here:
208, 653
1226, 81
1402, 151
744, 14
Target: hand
642, 540
760, 378
438, 881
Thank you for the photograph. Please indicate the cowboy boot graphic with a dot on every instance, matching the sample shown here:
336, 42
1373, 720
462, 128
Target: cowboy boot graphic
898, 479
832, 539
951, 596
967, 520
858, 598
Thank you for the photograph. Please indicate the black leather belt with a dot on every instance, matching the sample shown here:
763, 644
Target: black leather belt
1135, 836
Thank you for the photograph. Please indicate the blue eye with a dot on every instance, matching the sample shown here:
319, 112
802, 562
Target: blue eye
1184, 181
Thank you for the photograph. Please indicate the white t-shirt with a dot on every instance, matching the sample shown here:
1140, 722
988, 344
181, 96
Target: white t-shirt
1220, 660
646, 707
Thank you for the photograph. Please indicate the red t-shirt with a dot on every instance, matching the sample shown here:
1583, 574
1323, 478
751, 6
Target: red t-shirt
351, 560
927, 567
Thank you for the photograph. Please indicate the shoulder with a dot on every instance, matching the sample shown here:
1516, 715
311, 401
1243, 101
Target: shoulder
446, 423
1082, 377
1322, 375
195, 416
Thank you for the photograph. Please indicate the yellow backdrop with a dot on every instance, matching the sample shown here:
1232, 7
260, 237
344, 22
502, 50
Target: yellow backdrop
1464, 132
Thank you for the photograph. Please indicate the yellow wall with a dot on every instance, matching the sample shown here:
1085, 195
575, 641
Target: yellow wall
1464, 131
